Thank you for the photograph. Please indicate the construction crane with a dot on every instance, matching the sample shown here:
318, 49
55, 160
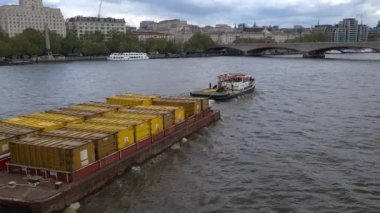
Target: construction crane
100, 8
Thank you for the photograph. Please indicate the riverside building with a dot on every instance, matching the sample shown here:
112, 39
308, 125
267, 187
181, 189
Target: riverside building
14, 19
82, 25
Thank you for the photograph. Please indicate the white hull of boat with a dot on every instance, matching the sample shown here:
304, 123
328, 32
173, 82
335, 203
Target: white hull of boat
126, 59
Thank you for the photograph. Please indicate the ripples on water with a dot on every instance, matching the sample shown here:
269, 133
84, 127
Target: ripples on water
306, 140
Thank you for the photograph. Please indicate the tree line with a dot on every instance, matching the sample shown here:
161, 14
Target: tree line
32, 43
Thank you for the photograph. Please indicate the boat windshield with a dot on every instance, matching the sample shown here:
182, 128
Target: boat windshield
235, 77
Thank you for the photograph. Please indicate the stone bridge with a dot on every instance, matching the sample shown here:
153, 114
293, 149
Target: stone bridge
309, 50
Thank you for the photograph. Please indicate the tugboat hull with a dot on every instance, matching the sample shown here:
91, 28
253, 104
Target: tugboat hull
222, 96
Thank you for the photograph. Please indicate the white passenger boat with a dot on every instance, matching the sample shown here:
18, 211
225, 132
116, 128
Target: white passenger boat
127, 56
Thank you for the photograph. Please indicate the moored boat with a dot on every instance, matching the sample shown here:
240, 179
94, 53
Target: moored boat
132, 56
229, 86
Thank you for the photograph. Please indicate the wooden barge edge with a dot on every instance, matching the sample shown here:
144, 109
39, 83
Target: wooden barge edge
73, 192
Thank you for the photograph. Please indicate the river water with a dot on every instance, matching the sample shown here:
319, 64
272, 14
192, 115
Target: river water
308, 139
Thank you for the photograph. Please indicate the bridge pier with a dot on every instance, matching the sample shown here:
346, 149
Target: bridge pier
314, 55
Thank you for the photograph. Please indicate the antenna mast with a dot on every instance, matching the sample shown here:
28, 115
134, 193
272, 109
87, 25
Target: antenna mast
100, 7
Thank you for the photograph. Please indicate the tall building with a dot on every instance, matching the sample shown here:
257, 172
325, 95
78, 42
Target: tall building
82, 25
348, 30
167, 26
14, 19
363, 31
148, 26
374, 33
329, 30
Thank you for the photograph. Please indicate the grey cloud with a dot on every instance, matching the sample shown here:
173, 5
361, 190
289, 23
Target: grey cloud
229, 12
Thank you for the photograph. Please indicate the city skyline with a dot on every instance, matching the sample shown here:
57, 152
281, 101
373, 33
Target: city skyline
285, 14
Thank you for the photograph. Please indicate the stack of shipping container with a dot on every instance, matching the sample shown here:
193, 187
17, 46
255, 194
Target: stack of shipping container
70, 138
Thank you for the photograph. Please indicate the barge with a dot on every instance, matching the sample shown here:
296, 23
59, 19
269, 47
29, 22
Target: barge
26, 188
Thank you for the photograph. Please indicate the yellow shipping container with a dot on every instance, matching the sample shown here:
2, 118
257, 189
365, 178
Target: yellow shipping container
125, 134
204, 101
167, 116
102, 104
42, 125
18, 131
129, 101
65, 119
156, 122
56, 153
140, 95
105, 143
149, 98
4, 143
141, 128
16, 153
96, 109
179, 112
82, 114
191, 107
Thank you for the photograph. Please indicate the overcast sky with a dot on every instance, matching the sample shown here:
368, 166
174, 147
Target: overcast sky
285, 13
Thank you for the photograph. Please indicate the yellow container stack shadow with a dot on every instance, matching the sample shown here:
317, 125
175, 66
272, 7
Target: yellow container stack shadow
179, 112
81, 114
191, 107
94, 109
42, 125
125, 134
129, 100
166, 116
103, 104
156, 122
65, 119
205, 102
141, 128
18, 131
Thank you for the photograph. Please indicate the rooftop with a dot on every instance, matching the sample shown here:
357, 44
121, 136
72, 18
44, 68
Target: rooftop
95, 19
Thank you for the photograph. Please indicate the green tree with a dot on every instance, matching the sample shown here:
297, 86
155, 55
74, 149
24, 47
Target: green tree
312, 37
94, 48
114, 44
55, 42
131, 44
198, 43
5, 49
96, 36
30, 42
253, 40
172, 47
71, 44
156, 45
3, 35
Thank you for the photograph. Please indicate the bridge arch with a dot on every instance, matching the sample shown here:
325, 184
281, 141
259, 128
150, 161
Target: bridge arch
340, 47
273, 49
312, 49
224, 50
320, 52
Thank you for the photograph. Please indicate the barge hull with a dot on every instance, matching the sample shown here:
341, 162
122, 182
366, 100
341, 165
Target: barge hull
48, 199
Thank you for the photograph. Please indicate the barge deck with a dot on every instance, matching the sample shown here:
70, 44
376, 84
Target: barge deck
24, 196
